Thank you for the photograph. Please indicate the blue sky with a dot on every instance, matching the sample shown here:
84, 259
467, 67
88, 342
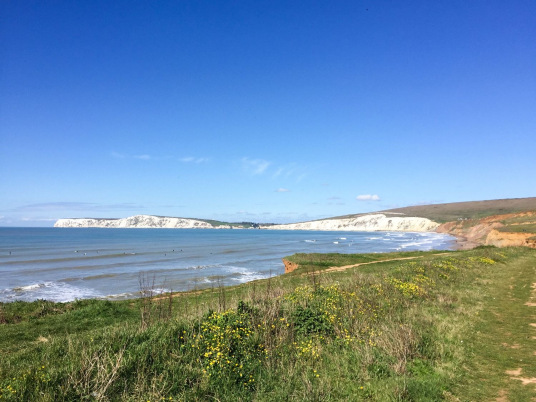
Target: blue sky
262, 111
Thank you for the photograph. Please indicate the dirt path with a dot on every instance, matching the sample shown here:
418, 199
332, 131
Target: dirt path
345, 267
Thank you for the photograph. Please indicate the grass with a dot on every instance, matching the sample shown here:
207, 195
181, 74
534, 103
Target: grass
469, 210
524, 219
503, 339
528, 228
520, 224
429, 328
464, 210
318, 262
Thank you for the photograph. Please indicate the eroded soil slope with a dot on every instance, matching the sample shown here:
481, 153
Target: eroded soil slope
515, 229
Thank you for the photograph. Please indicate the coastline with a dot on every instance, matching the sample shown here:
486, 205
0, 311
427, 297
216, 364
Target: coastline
365, 223
99, 262
464, 243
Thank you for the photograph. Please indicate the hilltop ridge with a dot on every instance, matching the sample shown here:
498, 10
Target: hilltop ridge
452, 211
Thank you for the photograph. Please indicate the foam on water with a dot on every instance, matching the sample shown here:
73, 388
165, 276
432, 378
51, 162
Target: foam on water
140, 293
242, 275
29, 287
53, 291
422, 241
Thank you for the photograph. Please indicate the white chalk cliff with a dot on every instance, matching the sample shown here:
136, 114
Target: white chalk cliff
365, 223
138, 221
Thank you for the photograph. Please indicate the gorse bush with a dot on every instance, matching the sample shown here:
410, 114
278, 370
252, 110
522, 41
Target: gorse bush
229, 347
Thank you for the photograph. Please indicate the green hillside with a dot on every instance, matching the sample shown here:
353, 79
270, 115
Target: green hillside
422, 326
462, 210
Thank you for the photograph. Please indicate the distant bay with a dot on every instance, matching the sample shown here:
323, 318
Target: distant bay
63, 264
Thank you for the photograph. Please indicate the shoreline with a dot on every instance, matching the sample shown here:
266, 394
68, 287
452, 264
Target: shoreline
462, 243
96, 251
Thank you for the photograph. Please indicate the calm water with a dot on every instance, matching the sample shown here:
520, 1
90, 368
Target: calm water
64, 264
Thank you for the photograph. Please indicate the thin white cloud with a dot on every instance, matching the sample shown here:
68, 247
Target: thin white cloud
255, 166
292, 170
117, 155
301, 177
191, 159
149, 157
282, 190
278, 172
368, 197
77, 206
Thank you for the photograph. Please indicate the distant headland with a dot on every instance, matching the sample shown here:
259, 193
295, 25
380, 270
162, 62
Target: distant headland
364, 223
494, 222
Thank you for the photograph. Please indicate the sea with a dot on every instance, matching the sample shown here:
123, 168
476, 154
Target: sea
64, 264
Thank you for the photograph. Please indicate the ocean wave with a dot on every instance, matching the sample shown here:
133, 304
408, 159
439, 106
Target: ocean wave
413, 244
29, 287
242, 275
49, 290
137, 294
230, 251
424, 241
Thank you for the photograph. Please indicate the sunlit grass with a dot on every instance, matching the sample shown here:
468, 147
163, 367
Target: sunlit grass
384, 331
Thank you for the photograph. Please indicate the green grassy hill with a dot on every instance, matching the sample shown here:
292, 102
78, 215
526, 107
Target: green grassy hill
422, 326
442, 213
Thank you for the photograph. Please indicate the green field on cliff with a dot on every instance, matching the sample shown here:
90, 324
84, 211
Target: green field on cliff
442, 213
408, 326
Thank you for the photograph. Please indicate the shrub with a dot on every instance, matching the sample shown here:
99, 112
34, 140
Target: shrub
228, 348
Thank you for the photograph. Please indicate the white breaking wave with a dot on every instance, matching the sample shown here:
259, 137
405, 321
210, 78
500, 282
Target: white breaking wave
29, 287
50, 290
245, 275
421, 241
